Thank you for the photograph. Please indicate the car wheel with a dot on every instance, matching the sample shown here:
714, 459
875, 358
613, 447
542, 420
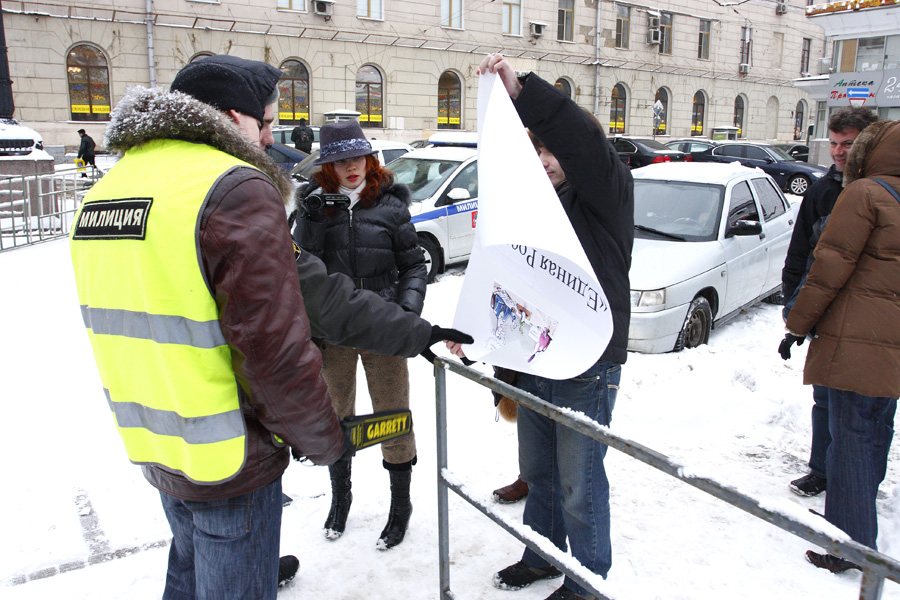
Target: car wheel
697, 324
432, 257
775, 298
798, 184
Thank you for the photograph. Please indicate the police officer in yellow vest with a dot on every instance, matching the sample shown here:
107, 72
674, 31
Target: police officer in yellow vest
194, 311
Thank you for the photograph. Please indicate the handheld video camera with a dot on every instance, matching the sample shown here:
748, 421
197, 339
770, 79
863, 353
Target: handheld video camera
314, 203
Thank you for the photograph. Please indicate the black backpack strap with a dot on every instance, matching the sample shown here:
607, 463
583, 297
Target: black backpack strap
888, 188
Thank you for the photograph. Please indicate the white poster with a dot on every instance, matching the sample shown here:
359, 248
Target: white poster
530, 297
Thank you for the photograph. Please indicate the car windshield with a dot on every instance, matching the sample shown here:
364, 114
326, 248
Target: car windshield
422, 176
675, 208
306, 167
780, 153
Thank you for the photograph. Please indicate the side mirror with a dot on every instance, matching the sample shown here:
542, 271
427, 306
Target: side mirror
744, 228
457, 194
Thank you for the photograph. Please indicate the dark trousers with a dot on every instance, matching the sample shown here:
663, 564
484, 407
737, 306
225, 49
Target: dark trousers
861, 431
821, 436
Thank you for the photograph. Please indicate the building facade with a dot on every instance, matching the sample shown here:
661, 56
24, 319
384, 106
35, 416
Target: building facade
408, 66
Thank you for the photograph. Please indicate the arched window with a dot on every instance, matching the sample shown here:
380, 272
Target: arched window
698, 114
88, 78
739, 116
370, 97
293, 93
449, 101
564, 86
617, 109
662, 96
799, 120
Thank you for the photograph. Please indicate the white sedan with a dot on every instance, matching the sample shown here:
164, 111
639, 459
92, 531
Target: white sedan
710, 240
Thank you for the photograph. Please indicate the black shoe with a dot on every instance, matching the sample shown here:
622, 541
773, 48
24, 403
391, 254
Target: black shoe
564, 593
519, 575
287, 568
285, 500
809, 485
832, 563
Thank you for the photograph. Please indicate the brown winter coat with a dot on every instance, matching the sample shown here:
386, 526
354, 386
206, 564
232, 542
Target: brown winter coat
852, 293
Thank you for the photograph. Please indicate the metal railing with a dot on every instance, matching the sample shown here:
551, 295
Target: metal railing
876, 567
38, 208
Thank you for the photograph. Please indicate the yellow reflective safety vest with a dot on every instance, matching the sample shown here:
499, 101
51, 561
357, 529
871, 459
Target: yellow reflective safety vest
151, 316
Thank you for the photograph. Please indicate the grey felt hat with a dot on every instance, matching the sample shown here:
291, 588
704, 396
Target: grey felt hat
339, 141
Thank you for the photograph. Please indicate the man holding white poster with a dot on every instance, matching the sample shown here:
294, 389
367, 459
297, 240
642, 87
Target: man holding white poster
569, 490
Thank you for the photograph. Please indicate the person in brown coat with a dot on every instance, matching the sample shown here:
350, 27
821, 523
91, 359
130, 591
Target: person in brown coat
851, 303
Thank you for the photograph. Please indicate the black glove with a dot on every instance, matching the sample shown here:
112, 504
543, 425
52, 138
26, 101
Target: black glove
439, 334
784, 348
349, 449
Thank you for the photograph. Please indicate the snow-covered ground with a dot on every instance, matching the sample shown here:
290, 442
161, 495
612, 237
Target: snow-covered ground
732, 410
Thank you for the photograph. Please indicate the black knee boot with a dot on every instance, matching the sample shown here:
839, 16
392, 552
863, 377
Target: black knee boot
401, 506
340, 499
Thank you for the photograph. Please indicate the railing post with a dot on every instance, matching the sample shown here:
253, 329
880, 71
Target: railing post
440, 384
871, 586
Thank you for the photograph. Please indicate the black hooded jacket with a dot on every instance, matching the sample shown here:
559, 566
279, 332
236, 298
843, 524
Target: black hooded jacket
375, 245
598, 194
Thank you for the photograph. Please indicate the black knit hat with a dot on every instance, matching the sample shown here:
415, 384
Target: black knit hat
230, 83
339, 141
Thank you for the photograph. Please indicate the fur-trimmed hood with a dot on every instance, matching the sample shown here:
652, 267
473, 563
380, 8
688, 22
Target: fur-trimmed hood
151, 114
875, 152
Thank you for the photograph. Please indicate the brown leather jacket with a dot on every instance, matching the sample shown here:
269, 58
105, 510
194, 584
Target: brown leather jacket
244, 244
244, 253
852, 293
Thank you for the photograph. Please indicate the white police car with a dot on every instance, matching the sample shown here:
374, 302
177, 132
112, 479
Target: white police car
443, 180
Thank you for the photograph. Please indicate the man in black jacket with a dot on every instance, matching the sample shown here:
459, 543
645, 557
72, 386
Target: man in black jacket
844, 126
569, 491
86, 149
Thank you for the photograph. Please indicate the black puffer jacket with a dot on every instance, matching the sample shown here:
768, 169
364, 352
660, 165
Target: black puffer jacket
375, 245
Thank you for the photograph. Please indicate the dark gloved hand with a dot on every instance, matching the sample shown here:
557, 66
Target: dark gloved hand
349, 448
439, 334
784, 348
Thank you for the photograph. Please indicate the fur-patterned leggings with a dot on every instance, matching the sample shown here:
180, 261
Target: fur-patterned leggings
387, 378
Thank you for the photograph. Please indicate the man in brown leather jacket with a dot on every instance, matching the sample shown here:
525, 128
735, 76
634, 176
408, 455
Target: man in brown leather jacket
226, 535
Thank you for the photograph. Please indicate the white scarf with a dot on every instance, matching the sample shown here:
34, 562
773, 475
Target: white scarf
353, 194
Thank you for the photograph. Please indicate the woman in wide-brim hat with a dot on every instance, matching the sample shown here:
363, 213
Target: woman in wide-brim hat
370, 238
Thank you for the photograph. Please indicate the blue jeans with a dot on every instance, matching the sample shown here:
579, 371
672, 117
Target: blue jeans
861, 430
226, 548
568, 494
821, 437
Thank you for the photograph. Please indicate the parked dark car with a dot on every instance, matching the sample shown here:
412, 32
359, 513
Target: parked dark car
640, 152
699, 150
798, 151
793, 176
286, 156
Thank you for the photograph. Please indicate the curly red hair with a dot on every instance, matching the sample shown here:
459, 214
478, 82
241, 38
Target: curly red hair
376, 178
